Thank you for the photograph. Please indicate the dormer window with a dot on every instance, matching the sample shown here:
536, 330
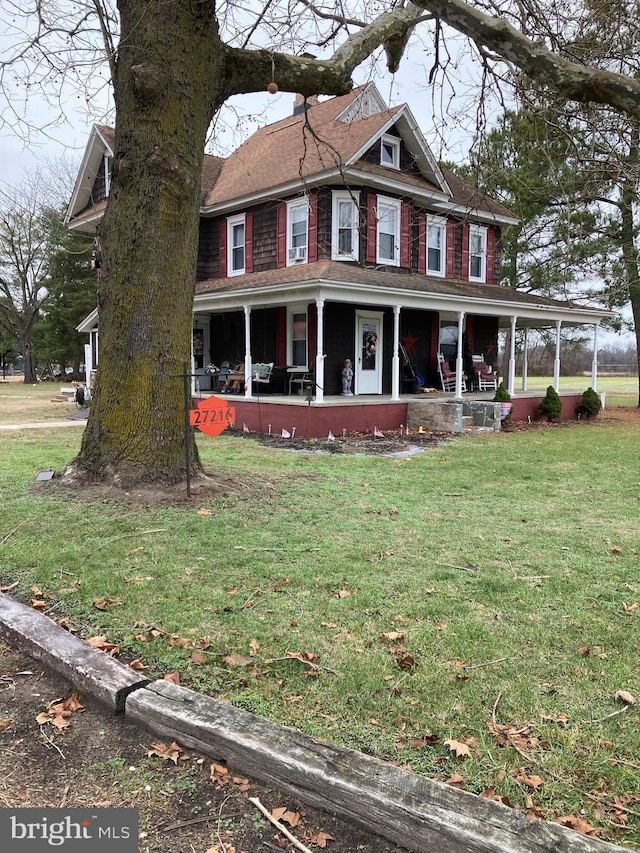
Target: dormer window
390, 152
297, 231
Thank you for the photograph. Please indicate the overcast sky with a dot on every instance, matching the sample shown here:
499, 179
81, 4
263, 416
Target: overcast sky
447, 114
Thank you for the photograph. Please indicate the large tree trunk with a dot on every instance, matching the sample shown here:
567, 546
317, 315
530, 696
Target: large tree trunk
165, 90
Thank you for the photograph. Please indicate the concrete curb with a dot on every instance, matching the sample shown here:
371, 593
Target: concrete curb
403, 807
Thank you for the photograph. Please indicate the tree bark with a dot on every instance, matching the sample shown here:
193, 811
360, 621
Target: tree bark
631, 260
165, 91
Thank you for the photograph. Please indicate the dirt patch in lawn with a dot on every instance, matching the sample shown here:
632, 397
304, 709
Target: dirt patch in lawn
187, 803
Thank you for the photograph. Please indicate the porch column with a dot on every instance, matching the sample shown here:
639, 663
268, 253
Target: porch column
395, 357
319, 372
247, 351
88, 366
594, 361
525, 358
556, 360
511, 379
459, 359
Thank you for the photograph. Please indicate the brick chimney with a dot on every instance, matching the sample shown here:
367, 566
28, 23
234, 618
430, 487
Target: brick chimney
299, 102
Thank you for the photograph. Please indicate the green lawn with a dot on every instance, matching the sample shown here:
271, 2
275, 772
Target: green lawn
485, 593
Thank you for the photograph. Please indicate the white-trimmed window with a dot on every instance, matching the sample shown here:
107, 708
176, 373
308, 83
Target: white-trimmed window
297, 231
390, 152
298, 337
388, 231
436, 246
477, 253
235, 244
344, 232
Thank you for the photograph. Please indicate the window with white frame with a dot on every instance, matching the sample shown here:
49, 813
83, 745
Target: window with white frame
436, 246
298, 337
297, 231
344, 218
235, 244
477, 253
388, 236
390, 152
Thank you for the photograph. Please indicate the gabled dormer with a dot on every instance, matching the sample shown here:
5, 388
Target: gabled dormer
93, 183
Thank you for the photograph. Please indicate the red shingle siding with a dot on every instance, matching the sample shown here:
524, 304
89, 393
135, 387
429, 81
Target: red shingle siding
372, 228
405, 234
248, 241
312, 229
282, 235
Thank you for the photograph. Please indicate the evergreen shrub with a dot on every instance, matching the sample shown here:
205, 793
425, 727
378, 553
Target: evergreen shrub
551, 405
590, 404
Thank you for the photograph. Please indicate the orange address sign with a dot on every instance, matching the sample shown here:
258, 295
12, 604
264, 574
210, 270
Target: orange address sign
212, 416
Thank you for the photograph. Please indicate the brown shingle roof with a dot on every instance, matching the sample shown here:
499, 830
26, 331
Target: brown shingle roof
296, 147
353, 274
466, 195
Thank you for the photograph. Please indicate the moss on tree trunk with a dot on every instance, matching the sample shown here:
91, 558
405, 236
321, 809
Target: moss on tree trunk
165, 90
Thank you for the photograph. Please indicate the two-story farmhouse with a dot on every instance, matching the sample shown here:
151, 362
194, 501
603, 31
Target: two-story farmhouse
334, 236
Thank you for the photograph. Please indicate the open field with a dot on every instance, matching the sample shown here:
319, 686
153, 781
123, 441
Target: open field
24, 403
471, 611
618, 390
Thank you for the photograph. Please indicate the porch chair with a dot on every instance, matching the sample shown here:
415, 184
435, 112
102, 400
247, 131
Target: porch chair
447, 376
261, 375
306, 383
486, 379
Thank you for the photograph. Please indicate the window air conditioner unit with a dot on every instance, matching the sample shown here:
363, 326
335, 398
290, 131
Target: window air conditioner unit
299, 253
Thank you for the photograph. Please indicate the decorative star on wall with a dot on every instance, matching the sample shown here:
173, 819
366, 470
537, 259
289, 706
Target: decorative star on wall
409, 342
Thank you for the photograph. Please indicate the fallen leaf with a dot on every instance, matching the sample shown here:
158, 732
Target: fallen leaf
254, 645
172, 677
218, 773
237, 660
406, 662
320, 838
101, 642
204, 511
4, 724
531, 781
461, 749
392, 636
623, 696
138, 665
285, 816
456, 780
577, 823
99, 603
167, 753
199, 659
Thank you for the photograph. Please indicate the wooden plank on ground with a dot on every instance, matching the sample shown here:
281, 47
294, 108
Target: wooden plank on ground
89, 670
408, 809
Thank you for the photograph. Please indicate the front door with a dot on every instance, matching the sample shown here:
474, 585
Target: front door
368, 372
